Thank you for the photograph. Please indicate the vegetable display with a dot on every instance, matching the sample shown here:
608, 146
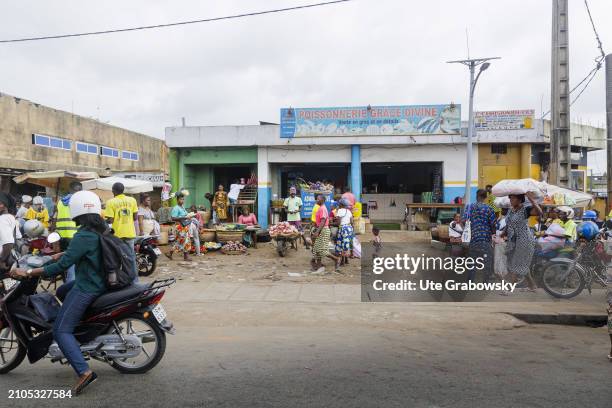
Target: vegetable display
283, 229
212, 246
233, 246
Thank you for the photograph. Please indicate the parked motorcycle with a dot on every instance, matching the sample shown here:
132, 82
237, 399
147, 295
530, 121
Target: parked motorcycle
147, 253
126, 328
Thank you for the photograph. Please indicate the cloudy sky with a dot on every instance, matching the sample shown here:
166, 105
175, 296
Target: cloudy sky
241, 71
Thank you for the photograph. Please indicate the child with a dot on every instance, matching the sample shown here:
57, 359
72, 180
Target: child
376, 242
455, 229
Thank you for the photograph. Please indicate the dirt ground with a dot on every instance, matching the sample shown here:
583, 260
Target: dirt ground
260, 264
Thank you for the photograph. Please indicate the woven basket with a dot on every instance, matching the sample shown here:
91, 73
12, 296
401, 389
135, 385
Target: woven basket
226, 252
207, 235
225, 236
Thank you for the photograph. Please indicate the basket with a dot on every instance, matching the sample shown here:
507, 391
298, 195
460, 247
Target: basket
225, 236
443, 232
207, 235
289, 235
163, 238
226, 252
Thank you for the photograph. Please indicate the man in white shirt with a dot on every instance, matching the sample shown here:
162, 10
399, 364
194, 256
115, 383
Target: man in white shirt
26, 203
9, 231
233, 193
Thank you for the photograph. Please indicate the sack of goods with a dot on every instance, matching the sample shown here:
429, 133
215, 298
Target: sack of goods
519, 186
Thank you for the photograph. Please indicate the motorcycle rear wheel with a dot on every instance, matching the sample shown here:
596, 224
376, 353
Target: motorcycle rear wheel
9, 343
146, 265
562, 283
154, 332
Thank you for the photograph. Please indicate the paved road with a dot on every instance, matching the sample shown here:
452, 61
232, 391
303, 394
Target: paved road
280, 354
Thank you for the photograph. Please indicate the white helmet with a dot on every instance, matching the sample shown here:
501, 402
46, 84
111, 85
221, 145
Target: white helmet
26, 199
567, 210
84, 202
38, 200
33, 228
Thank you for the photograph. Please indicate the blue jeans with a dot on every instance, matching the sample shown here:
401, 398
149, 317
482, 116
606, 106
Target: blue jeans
130, 243
69, 316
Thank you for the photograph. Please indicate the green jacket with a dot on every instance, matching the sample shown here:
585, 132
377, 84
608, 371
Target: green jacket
84, 252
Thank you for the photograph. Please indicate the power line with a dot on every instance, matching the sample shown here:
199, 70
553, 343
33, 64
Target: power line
205, 20
598, 62
599, 45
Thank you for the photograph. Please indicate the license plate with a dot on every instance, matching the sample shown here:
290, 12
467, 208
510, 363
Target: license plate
8, 283
157, 251
159, 313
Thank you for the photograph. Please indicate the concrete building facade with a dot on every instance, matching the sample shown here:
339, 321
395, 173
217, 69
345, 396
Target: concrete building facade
36, 137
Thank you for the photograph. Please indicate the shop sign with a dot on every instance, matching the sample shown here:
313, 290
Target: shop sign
309, 199
504, 120
371, 121
156, 178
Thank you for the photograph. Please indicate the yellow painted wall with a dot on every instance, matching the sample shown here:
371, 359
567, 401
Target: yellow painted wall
516, 163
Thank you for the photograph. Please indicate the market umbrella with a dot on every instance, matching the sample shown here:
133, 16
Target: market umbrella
102, 186
57, 179
580, 199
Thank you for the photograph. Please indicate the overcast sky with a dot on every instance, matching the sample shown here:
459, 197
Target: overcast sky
377, 52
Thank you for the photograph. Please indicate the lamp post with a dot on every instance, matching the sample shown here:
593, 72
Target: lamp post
471, 64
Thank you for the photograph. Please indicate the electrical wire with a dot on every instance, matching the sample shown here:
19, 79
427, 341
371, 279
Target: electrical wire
205, 20
598, 62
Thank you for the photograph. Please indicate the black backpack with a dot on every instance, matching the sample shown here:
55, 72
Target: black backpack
117, 262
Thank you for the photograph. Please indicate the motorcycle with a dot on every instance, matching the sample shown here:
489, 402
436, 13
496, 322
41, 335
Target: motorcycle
567, 278
125, 329
146, 254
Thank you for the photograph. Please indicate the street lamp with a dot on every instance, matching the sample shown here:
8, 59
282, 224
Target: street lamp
471, 64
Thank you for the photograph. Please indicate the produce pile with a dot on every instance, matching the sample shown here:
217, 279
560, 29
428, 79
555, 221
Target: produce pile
231, 227
233, 246
211, 246
283, 229
318, 186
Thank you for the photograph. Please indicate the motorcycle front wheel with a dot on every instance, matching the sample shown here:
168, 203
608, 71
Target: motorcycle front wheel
153, 341
563, 280
12, 352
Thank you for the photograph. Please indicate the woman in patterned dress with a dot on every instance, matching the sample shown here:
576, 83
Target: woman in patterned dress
321, 236
182, 243
221, 203
521, 241
344, 239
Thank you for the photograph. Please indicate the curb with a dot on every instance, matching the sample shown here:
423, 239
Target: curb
568, 319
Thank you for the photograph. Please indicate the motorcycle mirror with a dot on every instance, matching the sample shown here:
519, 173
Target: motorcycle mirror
53, 238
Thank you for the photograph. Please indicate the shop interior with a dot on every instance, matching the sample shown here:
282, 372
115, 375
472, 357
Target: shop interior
334, 173
391, 178
228, 174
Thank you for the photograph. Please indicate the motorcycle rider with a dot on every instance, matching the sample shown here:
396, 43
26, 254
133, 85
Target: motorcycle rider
26, 203
63, 224
83, 251
566, 215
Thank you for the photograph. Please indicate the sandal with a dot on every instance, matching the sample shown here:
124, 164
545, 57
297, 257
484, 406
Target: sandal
80, 386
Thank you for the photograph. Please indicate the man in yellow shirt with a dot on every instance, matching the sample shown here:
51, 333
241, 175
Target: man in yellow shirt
121, 212
38, 211
565, 220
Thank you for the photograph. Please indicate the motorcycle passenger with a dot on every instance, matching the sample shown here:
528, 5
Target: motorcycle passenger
83, 251
554, 239
9, 232
38, 212
566, 215
63, 224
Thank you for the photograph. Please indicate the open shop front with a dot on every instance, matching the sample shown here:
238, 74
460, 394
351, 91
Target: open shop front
388, 187
327, 178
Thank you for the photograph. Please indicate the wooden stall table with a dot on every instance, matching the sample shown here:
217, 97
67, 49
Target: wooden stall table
414, 208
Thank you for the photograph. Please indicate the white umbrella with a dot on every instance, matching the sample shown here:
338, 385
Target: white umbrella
582, 199
132, 186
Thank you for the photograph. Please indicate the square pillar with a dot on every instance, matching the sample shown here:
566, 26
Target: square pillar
356, 171
264, 186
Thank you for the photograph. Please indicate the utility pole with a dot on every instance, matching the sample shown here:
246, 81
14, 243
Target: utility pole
471, 64
609, 127
560, 168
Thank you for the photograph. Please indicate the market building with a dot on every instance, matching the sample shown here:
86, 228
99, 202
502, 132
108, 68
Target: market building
388, 156
37, 137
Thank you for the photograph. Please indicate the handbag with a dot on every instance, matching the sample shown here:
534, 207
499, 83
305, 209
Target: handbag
45, 305
466, 236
